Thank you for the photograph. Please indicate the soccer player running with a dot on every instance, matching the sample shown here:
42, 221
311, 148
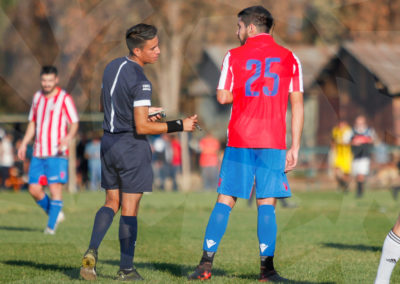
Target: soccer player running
51, 112
125, 152
257, 78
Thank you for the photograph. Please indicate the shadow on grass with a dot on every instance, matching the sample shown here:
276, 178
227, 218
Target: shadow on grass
20, 229
352, 247
71, 272
254, 277
174, 269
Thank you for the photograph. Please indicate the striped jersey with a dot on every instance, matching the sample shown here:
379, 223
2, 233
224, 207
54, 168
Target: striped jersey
51, 116
124, 87
260, 74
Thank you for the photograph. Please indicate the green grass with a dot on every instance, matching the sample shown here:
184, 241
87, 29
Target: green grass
328, 238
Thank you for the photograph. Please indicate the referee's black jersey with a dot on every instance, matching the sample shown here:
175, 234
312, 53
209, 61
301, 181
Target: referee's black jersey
124, 87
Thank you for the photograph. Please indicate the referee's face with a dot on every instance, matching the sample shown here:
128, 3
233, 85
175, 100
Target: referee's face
150, 51
48, 82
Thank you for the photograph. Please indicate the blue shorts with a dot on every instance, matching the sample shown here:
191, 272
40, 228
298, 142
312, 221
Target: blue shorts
242, 167
48, 170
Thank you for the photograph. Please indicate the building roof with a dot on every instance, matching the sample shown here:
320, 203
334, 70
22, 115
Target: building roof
382, 60
313, 59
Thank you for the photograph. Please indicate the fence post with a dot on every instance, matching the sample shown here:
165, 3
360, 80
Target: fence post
72, 167
185, 161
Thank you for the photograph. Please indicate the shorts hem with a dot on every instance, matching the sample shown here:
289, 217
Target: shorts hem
135, 191
109, 188
278, 197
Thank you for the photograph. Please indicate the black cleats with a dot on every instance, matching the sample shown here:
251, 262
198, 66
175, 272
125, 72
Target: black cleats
271, 276
202, 272
129, 275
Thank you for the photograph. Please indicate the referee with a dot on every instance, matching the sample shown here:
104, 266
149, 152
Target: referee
125, 152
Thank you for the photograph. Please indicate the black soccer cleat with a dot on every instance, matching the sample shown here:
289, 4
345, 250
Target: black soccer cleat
88, 268
271, 276
128, 275
202, 272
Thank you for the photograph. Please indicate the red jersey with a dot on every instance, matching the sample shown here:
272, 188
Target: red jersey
260, 74
51, 116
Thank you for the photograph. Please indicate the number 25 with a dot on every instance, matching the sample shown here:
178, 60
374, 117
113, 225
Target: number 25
267, 74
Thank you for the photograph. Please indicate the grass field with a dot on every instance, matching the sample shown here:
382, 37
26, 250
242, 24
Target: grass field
328, 238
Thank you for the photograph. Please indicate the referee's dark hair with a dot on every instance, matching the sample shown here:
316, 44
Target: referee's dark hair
258, 16
137, 35
49, 69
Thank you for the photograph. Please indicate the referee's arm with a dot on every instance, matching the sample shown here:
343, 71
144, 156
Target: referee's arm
146, 127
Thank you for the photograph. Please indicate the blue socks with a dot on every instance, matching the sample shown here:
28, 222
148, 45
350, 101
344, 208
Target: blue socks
266, 229
216, 227
55, 208
102, 222
127, 240
44, 203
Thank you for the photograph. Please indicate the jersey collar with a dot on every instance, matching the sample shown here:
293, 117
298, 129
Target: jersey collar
259, 37
55, 96
133, 61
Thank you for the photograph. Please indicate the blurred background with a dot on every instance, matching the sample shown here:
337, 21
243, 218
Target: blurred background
349, 50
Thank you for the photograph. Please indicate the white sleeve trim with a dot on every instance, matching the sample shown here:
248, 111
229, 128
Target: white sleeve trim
141, 103
224, 72
300, 74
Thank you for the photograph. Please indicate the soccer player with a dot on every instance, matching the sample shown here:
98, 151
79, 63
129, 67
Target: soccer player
51, 112
390, 255
258, 78
341, 136
362, 140
125, 152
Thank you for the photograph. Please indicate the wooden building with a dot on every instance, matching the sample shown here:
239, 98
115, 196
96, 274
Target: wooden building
362, 78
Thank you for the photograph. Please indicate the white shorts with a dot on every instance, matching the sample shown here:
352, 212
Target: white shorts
360, 166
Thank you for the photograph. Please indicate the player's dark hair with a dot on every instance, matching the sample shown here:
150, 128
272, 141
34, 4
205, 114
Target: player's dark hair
258, 16
137, 36
49, 69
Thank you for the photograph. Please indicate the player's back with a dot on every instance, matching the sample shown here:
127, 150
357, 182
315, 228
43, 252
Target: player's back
263, 74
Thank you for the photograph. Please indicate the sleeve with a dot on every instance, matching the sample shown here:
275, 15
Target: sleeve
33, 111
70, 109
226, 77
296, 84
142, 94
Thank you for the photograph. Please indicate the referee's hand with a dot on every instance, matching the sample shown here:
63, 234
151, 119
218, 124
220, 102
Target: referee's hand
189, 123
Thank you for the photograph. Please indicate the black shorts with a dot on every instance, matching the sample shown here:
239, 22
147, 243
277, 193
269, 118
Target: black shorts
126, 163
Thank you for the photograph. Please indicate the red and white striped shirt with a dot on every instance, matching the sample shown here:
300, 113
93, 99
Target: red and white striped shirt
51, 116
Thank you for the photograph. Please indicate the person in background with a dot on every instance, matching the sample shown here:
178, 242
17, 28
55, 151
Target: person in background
92, 154
176, 160
6, 157
362, 139
342, 155
52, 110
209, 149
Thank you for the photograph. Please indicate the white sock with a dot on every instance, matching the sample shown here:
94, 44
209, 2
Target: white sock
389, 258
